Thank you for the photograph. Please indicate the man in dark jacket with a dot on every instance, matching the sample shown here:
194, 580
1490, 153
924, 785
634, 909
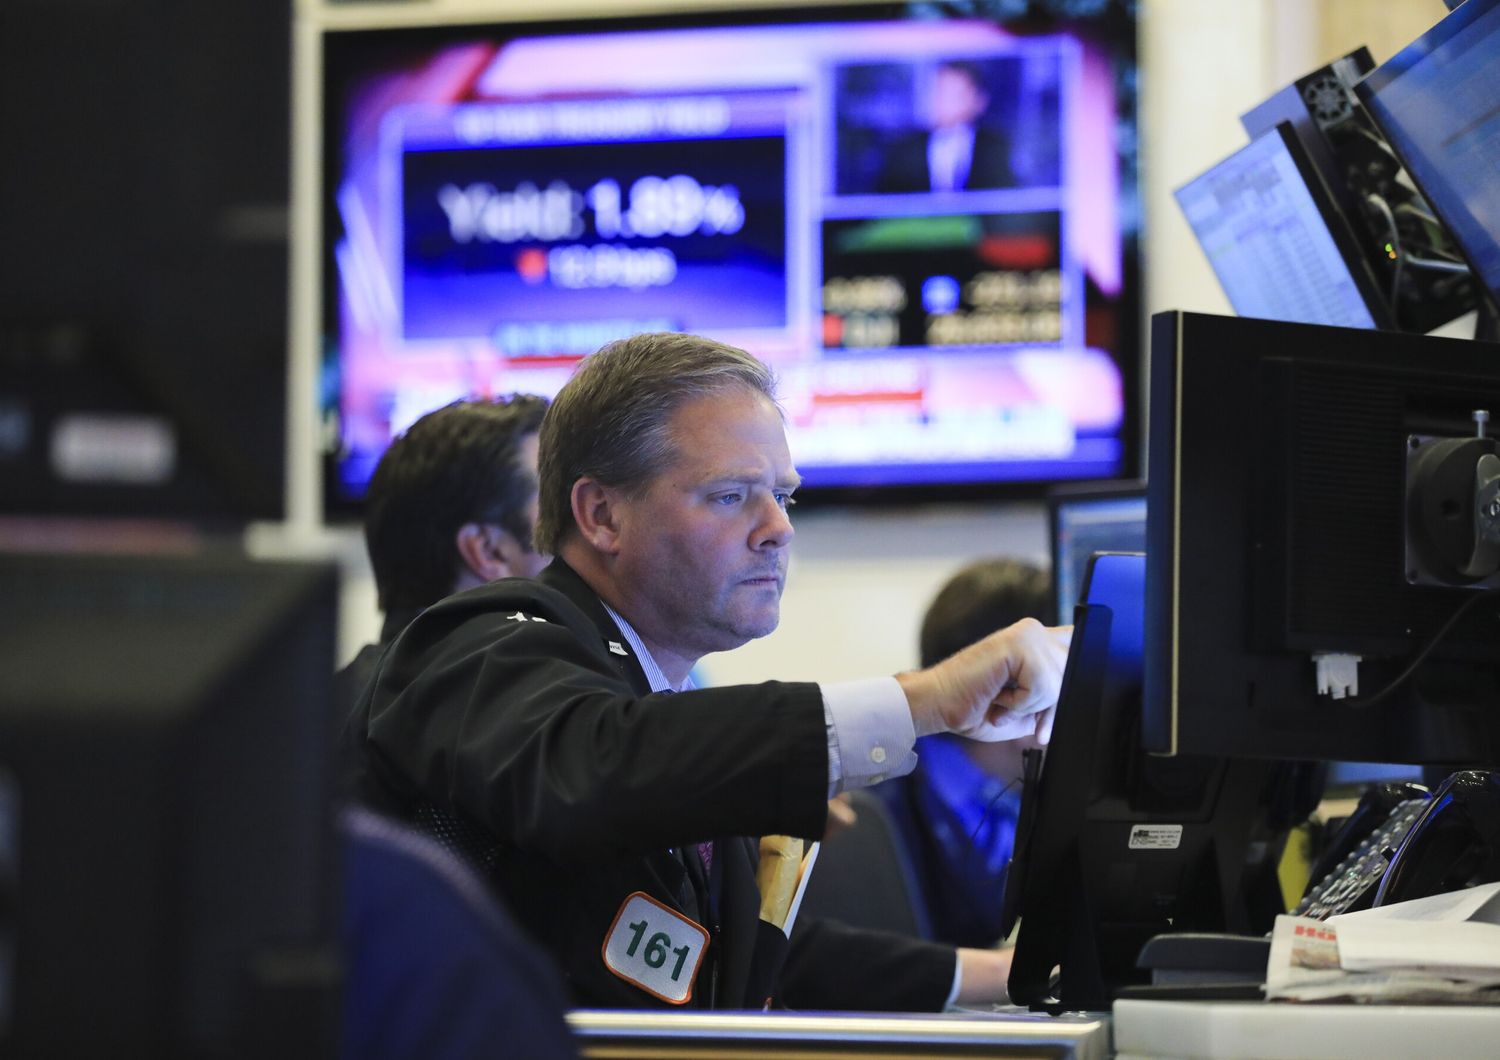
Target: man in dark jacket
549, 726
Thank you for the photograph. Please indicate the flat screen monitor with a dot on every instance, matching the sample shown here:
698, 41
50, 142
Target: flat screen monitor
1284, 462
1086, 518
1115, 846
1438, 103
143, 260
1275, 239
1355, 776
168, 884
924, 224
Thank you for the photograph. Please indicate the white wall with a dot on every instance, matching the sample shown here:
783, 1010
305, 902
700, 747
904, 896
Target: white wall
860, 579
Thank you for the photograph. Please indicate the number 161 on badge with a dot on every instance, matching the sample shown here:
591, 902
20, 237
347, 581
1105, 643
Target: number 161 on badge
655, 948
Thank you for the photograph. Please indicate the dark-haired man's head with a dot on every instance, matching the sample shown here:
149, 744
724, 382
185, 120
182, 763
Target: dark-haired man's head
986, 595
452, 503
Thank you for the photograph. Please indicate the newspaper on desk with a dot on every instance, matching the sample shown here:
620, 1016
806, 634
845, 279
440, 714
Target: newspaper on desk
1440, 949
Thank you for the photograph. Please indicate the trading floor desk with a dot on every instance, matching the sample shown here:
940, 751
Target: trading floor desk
1247, 1030
821, 1036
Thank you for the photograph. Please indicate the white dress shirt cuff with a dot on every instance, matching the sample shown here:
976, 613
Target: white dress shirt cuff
870, 733
958, 983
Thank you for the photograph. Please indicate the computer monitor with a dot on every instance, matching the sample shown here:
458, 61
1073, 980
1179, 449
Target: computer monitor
1115, 846
1293, 541
1370, 190
1352, 777
168, 882
1276, 241
502, 199
1085, 518
1435, 100
144, 275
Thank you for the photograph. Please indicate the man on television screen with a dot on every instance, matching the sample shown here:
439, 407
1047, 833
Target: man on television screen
958, 152
553, 724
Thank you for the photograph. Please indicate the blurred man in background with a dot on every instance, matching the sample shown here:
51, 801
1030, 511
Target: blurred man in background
956, 813
451, 505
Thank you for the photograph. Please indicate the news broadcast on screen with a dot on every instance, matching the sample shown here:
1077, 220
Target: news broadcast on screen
502, 204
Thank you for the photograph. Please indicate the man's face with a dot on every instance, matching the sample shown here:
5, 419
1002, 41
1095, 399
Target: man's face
703, 552
956, 99
528, 564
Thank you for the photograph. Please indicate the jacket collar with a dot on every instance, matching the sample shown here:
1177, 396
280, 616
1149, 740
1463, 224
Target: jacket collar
563, 578
397, 619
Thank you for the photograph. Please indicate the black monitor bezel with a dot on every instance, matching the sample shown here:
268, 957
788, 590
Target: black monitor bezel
1077, 908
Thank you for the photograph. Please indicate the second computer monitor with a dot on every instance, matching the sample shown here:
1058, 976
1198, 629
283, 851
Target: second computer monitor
1285, 465
1086, 518
1276, 241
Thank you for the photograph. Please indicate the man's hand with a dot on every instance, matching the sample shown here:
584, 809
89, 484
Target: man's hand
1001, 688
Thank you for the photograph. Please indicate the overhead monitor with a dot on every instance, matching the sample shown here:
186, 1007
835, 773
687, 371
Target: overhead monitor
1315, 518
1438, 103
924, 224
1275, 239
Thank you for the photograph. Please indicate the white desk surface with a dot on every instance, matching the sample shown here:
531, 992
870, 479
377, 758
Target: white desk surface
1225, 1030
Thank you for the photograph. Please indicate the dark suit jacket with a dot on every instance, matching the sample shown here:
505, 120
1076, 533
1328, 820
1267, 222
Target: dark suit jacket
507, 710
349, 685
905, 166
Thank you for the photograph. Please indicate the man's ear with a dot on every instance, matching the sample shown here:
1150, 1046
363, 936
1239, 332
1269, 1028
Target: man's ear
487, 552
596, 513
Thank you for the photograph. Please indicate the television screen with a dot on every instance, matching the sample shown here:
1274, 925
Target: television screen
925, 225
1275, 240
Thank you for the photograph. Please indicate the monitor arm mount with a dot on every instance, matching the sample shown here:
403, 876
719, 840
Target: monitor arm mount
1452, 528
1453, 509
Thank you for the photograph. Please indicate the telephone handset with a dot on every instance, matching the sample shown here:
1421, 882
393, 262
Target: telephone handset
1348, 874
1454, 844
1401, 843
